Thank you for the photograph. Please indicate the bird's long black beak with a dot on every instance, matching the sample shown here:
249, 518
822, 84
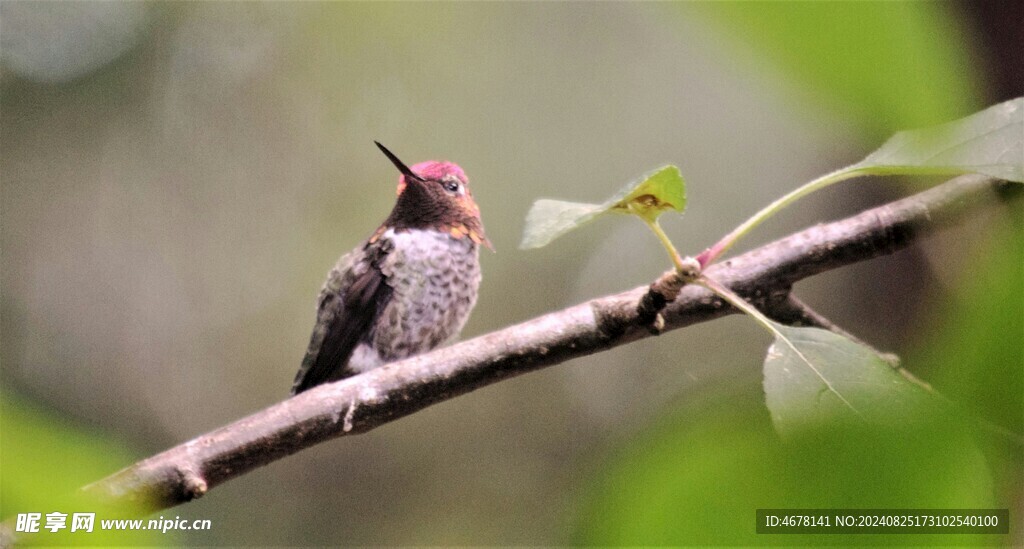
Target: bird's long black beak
398, 163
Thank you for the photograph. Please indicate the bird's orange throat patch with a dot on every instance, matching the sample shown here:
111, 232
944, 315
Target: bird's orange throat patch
460, 231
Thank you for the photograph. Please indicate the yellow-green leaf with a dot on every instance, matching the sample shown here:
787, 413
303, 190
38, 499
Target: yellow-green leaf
648, 197
657, 192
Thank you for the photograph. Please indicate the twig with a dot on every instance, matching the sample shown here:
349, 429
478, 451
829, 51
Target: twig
361, 403
794, 312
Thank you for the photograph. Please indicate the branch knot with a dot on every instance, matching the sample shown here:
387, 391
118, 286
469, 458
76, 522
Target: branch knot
660, 293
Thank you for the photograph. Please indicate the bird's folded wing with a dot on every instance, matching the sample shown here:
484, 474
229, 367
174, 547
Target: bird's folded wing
352, 298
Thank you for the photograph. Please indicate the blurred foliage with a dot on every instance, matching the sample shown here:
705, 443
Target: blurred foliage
887, 66
699, 475
975, 347
37, 447
80, 37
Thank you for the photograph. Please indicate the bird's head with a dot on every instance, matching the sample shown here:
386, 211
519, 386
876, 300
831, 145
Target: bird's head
435, 195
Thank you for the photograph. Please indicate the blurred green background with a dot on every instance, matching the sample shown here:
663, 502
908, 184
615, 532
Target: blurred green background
177, 178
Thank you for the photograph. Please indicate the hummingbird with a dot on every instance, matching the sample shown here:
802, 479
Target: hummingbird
409, 287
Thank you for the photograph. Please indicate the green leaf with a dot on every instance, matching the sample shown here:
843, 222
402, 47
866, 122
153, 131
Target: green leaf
648, 197
815, 378
990, 142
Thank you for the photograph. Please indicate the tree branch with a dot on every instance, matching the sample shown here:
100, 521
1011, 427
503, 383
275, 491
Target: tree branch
794, 312
361, 403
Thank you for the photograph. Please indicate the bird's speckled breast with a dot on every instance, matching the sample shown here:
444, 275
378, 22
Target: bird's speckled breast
434, 279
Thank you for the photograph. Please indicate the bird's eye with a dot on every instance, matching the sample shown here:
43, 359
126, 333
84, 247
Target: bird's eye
451, 186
